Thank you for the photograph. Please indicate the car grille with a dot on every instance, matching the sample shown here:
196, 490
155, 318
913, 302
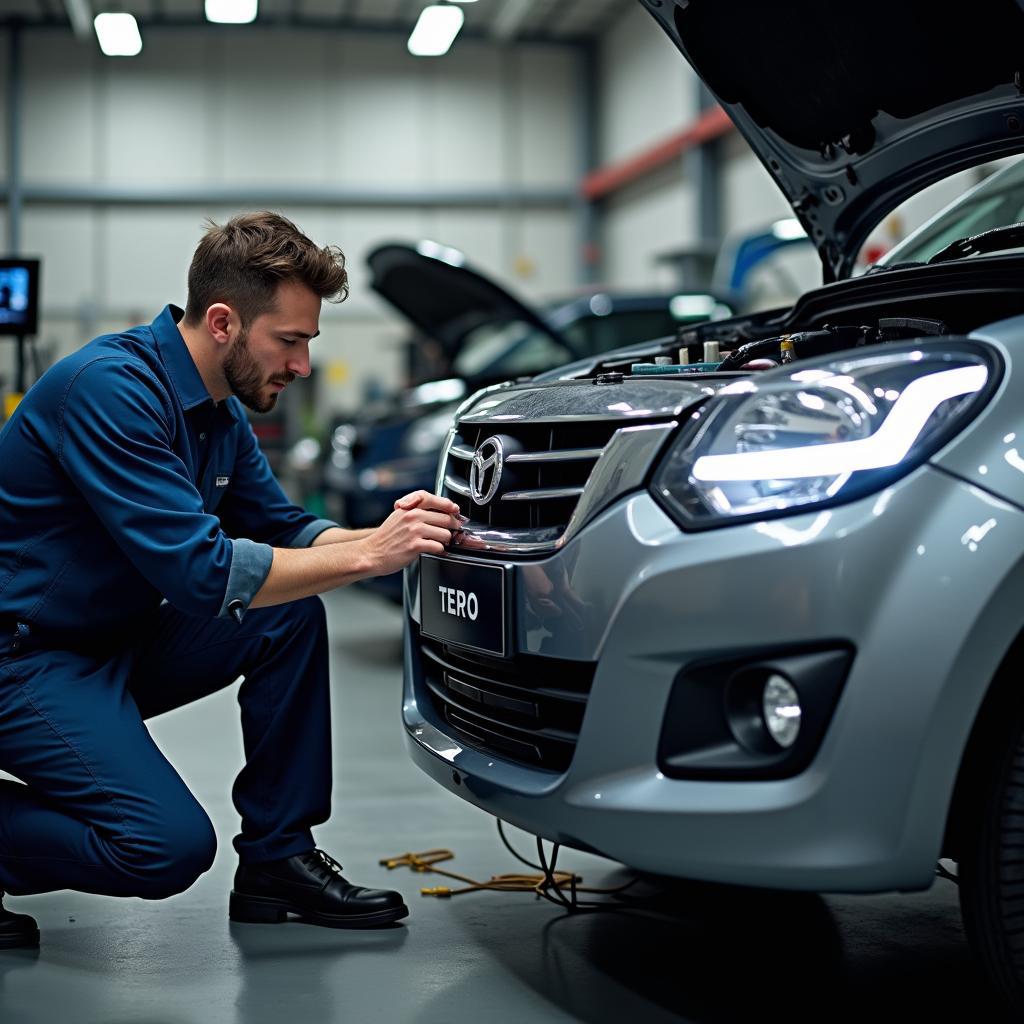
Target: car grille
528, 710
546, 467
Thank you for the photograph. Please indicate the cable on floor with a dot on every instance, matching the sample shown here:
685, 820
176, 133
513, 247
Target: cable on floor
551, 884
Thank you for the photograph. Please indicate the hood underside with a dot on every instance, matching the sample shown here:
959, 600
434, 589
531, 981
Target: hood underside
852, 108
432, 287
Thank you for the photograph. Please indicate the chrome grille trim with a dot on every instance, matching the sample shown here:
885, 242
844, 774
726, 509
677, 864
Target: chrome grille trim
543, 494
457, 486
622, 467
522, 541
563, 455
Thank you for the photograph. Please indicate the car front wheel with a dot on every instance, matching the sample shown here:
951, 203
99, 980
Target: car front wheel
991, 863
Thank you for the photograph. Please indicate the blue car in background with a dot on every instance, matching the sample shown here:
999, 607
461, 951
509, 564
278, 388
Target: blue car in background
470, 333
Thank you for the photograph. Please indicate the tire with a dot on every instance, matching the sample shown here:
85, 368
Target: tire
991, 864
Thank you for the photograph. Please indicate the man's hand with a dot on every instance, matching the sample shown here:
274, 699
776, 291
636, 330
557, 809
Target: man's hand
422, 523
424, 499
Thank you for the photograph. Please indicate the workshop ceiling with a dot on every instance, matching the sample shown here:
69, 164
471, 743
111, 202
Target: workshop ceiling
506, 20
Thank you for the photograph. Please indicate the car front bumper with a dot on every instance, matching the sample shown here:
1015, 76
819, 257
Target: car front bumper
917, 580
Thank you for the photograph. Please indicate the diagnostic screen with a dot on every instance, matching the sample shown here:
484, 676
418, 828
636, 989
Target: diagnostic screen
19, 296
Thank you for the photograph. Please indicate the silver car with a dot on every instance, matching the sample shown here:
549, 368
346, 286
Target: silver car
747, 607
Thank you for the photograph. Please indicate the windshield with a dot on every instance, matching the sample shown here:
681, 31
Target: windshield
509, 349
520, 349
997, 201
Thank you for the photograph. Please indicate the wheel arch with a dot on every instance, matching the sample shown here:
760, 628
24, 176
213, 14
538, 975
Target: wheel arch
1001, 707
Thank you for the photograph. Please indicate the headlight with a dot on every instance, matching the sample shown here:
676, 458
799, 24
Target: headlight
831, 430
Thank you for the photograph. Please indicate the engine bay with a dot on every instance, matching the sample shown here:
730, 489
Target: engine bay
897, 304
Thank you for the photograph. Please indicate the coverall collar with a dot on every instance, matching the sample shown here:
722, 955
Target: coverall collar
176, 358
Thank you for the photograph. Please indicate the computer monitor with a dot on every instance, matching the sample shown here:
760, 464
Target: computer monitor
19, 296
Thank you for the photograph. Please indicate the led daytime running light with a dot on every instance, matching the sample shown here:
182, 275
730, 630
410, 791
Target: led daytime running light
888, 446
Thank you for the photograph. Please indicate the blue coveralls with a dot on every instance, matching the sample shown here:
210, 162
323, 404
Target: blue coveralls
137, 518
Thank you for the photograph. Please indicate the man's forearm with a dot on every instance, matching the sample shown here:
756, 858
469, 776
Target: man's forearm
337, 535
301, 572
422, 523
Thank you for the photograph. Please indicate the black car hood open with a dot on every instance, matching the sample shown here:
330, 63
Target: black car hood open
854, 107
432, 286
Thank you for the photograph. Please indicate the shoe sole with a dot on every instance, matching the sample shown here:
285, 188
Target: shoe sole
266, 910
26, 940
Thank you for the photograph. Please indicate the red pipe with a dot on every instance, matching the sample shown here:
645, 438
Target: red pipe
712, 124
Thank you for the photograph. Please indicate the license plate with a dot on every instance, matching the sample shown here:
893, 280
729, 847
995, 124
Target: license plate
464, 603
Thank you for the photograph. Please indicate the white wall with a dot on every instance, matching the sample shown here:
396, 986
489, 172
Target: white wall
216, 110
750, 198
647, 89
647, 92
651, 217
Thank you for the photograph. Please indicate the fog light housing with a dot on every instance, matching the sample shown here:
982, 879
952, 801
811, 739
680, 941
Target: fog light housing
755, 714
780, 705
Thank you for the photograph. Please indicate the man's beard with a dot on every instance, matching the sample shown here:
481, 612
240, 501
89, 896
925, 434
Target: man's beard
246, 380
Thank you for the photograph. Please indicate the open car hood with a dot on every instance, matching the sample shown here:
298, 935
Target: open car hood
431, 285
854, 107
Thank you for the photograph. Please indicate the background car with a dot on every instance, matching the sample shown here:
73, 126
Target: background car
758, 622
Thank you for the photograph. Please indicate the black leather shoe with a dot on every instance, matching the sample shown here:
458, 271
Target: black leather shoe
310, 886
17, 931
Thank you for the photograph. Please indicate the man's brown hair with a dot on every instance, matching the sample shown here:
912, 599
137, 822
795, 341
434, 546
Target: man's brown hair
242, 262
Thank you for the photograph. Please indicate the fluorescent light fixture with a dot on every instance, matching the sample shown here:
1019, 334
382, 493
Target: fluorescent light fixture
231, 12
436, 30
886, 447
118, 34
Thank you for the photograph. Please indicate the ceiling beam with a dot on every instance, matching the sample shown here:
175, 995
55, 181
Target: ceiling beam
288, 194
509, 19
80, 15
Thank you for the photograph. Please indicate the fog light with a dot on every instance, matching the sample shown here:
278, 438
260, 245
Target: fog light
780, 705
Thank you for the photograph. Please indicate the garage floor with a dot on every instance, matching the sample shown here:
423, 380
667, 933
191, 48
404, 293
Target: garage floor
690, 953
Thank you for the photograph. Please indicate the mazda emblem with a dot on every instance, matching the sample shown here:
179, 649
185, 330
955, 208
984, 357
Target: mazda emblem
485, 472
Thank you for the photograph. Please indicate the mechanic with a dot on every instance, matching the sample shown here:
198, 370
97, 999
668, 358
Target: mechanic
148, 558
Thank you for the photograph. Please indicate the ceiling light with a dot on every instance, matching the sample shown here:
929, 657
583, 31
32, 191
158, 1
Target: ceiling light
436, 30
118, 34
231, 12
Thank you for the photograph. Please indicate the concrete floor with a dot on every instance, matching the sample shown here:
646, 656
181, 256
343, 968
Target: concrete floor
692, 953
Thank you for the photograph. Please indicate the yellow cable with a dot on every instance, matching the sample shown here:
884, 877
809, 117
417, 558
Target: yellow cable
537, 884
